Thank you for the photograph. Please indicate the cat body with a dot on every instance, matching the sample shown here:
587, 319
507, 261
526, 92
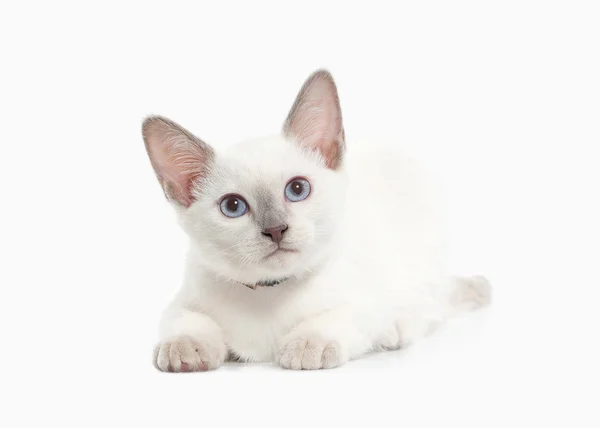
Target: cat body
302, 252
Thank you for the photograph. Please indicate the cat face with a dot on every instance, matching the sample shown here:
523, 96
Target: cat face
268, 211
265, 209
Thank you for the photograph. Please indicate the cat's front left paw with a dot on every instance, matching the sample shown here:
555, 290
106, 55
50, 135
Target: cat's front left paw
311, 353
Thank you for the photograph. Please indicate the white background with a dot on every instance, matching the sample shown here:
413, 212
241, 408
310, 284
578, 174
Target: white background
502, 97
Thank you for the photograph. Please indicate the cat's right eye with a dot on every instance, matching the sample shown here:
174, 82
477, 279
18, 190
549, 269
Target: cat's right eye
233, 206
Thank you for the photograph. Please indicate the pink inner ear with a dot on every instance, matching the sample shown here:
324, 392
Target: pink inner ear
178, 183
316, 120
332, 151
179, 159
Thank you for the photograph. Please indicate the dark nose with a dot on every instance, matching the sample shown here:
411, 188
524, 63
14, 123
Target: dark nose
275, 233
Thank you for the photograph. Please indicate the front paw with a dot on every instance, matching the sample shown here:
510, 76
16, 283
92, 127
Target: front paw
186, 354
311, 353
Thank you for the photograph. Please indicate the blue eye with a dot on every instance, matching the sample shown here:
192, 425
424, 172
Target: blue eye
233, 206
297, 189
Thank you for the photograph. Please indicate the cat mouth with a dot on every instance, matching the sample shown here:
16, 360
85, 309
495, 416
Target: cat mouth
280, 250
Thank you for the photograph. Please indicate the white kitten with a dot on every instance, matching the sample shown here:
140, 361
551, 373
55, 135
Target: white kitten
301, 253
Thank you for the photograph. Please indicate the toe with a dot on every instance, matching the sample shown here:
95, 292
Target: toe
332, 356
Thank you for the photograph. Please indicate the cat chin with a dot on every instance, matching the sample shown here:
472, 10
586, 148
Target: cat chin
278, 266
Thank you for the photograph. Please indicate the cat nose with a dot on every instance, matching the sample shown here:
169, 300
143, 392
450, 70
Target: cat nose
275, 233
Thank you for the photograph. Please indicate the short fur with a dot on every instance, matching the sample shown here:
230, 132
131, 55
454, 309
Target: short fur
367, 269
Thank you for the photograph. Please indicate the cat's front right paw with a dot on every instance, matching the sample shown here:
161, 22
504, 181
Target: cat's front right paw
186, 354
311, 353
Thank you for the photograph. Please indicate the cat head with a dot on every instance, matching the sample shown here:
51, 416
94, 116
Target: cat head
265, 209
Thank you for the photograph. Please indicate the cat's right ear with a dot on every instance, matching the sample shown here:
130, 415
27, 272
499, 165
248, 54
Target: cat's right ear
180, 160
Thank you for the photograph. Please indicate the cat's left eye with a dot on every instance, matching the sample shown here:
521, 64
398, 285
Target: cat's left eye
297, 189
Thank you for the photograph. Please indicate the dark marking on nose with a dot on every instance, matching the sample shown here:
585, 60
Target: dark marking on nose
275, 233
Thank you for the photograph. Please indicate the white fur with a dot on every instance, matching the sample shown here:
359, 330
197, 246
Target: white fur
376, 262
368, 274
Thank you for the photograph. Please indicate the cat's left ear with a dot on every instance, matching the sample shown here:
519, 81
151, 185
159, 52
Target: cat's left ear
315, 120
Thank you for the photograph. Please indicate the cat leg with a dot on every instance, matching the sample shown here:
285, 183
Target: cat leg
191, 341
408, 326
456, 295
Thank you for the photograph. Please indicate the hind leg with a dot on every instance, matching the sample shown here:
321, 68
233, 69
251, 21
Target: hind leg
458, 294
405, 331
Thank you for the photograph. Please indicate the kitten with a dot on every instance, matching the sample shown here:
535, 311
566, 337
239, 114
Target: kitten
301, 252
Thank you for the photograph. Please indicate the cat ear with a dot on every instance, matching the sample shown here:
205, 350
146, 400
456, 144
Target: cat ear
180, 160
315, 120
